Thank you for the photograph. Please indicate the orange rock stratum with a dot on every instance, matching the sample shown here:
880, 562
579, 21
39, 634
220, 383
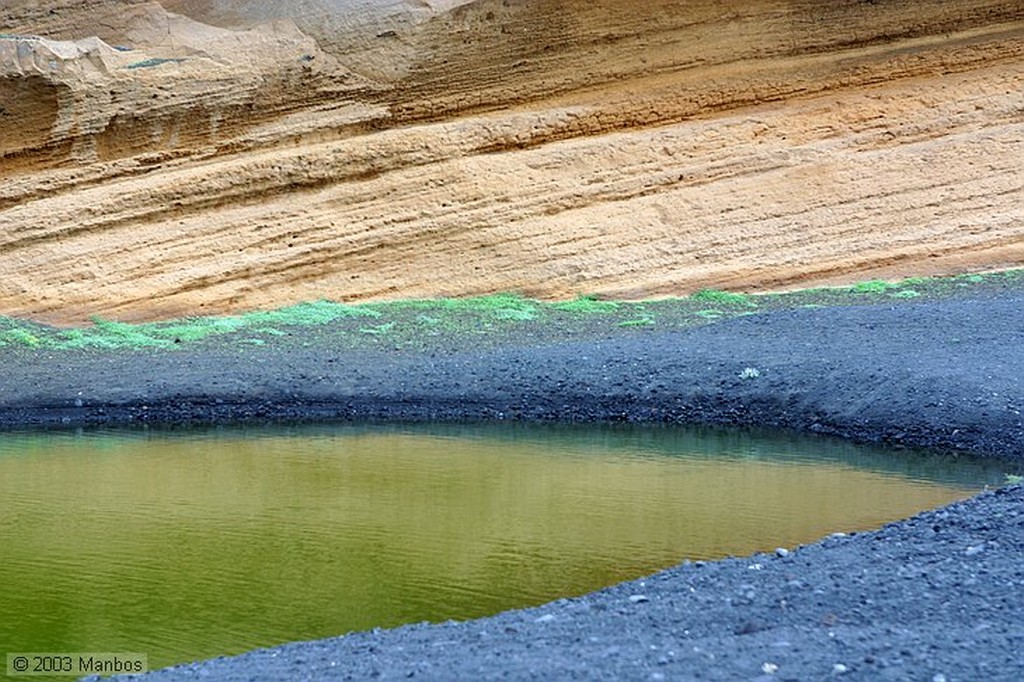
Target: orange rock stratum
161, 159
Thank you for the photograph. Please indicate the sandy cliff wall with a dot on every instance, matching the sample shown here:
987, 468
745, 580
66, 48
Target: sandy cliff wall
218, 155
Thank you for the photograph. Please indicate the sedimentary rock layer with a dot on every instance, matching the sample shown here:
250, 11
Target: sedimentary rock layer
213, 155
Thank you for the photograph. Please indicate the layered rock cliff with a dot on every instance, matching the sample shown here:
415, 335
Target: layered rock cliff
194, 156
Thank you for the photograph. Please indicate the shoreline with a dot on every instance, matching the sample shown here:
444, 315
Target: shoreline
933, 597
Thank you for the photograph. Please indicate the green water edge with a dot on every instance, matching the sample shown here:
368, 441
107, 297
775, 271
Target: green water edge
424, 324
187, 544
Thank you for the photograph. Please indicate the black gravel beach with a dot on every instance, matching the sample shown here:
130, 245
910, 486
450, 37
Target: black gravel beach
936, 597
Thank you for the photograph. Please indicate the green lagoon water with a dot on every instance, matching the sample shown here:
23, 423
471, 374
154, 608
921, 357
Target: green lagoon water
192, 544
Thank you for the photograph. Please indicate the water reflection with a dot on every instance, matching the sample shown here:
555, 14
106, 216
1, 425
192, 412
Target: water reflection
192, 544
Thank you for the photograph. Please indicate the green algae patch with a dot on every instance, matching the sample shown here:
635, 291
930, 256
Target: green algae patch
422, 323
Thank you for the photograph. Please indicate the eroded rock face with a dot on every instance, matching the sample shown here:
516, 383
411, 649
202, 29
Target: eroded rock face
194, 156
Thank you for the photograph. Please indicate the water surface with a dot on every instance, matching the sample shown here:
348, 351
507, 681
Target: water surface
192, 544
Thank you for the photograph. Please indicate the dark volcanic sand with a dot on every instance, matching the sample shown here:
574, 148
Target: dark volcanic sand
937, 597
